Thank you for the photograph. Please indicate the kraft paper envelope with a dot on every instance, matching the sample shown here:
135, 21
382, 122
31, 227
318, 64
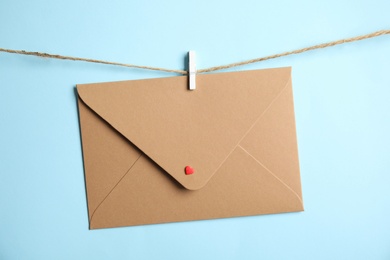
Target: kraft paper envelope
236, 131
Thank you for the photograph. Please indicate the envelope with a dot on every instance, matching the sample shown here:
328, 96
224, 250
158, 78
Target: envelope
155, 152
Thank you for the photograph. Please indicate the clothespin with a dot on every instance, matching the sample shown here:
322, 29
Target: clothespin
191, 70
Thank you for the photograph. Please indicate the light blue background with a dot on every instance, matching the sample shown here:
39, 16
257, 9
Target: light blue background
342, 102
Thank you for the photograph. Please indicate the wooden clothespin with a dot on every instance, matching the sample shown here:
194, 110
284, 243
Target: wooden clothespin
191, 70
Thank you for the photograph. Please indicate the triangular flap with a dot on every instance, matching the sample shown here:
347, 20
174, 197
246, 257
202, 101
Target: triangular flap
178, 128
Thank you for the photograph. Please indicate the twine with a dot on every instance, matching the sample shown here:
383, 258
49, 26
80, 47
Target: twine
183, 72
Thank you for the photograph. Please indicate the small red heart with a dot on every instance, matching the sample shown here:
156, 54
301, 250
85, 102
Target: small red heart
189, 170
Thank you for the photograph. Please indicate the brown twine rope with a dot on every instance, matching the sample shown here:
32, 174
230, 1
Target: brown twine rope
314, 47
63, 57
231, 65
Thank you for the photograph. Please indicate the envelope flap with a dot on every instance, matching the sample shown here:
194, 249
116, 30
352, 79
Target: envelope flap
176, 127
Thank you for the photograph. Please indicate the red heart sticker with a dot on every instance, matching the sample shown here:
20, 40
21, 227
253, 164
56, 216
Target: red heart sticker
189, 170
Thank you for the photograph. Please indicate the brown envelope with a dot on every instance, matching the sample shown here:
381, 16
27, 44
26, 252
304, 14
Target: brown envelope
236, 130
